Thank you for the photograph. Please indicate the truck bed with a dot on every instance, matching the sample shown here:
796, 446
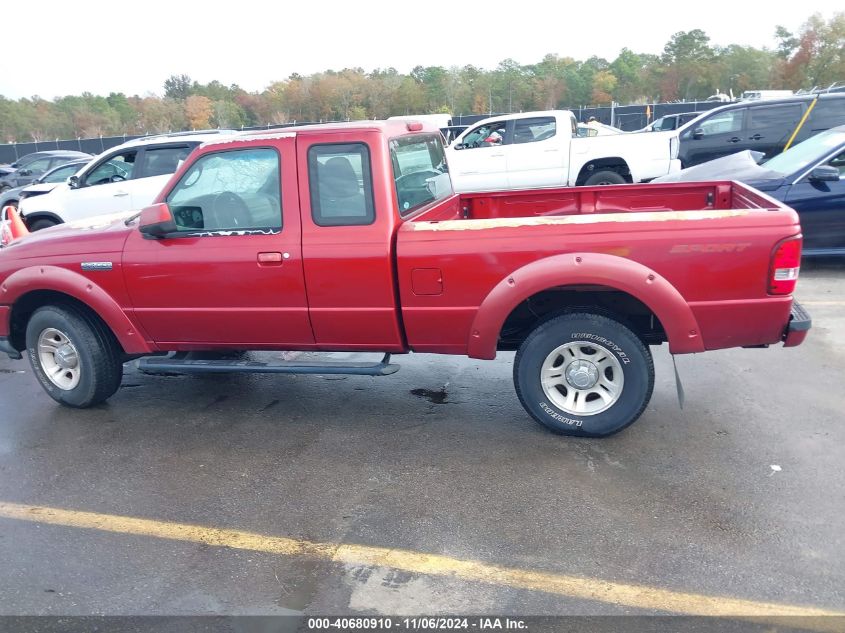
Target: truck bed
711, 243
570, 201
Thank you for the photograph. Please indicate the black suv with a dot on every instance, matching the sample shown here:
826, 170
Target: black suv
763, 126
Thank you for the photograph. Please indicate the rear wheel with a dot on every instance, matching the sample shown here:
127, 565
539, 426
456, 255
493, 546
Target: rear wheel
74, 356
605, 177
584, 374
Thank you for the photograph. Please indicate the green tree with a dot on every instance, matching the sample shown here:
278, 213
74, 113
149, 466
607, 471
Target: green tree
177, 87
740, 68
432, 79
631, 72
687, 58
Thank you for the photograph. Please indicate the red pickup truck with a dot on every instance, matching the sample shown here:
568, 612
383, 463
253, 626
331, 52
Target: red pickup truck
349, 237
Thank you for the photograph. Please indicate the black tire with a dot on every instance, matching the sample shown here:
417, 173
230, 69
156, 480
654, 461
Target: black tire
10, 203
98, 355
625, 352
605, 177
41, 223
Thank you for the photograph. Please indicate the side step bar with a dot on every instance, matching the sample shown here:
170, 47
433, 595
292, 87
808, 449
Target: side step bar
177, 365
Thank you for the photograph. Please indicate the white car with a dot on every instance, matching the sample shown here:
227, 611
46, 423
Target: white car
543, 149
123, 178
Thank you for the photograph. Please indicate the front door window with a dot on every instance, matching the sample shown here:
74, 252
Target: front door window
487, 135
116, 168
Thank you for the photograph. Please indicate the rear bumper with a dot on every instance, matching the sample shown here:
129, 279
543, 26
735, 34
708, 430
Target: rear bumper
798, 327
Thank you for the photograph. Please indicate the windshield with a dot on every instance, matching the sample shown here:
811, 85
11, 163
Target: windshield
419, 171
806, 153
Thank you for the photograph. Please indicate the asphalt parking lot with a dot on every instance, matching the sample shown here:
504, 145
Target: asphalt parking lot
431, 491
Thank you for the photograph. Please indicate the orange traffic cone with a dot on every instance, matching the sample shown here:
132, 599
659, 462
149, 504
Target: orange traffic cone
16, 225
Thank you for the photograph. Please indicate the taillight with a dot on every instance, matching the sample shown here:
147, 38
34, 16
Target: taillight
786, 262
674, 147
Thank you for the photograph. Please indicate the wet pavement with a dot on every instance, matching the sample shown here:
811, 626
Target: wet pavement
741, 494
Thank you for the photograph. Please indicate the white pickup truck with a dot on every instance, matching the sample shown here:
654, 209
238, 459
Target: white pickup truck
543, 149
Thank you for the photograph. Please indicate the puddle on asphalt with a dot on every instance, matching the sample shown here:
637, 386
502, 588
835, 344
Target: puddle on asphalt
437, 397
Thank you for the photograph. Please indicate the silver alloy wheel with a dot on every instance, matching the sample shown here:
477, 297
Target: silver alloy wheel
59, 359
582, 378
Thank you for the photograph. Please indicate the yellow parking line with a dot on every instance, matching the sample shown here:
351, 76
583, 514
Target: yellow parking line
630, 595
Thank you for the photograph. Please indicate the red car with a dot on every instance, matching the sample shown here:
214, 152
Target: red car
349, 237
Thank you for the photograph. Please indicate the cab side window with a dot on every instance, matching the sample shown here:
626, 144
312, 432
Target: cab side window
116, 168
534, 130
341, 184
784, 116
723, 123
163, 160
38, 166
230, 193
486, 135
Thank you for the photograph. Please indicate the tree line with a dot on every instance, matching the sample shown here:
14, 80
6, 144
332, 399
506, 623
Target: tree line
690, 68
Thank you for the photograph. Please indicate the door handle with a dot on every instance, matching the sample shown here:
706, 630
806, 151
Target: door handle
756, 137
496, 155
549, 151
734, 139
120, 194
272, 258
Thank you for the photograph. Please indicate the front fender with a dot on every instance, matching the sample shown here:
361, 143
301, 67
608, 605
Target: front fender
84, 290
595, 269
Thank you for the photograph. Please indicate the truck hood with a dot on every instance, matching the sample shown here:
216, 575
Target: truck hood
100, 234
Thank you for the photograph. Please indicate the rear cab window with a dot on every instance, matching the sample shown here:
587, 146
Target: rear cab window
341, 184
420, 172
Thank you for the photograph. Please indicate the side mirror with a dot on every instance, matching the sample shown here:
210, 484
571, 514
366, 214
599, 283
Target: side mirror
459, 146
73, 182
825, 173
157, 222
698, 133
25, 172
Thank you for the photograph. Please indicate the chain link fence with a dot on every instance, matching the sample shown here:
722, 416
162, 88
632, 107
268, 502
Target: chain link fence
628, 118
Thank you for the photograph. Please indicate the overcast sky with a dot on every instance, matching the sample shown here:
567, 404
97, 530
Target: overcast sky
60, 48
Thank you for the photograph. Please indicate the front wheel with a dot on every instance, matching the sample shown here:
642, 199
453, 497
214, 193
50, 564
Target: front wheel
74, 356
584, 374
605, 177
